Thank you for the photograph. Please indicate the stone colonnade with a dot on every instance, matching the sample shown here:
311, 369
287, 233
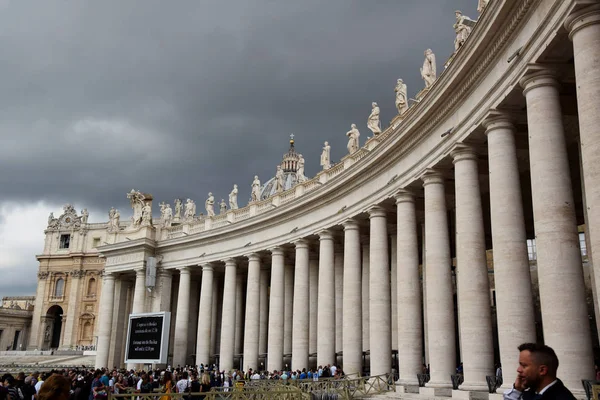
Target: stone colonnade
425, 310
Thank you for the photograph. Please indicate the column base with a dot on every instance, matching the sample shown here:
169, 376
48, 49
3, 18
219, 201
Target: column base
470, 395
406, 387
474, 386
496, 396
435, 391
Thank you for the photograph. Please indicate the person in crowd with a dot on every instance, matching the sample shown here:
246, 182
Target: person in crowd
97, 388
183, 384
56, 387
537, 375
167, 386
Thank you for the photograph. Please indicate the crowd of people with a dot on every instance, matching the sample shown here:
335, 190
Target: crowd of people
90, 384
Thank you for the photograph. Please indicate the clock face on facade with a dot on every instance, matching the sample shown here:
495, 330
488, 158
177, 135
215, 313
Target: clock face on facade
68, 220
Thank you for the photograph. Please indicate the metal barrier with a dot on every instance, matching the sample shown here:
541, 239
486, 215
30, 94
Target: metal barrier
587, 386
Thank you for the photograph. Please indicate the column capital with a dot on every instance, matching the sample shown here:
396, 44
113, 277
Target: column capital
538, 76
140, 271
325, 234
207, 267
463, 152
108, 276
582, 18
301, 244
230, 262
350, 225
162, 272
277, 251
253, 257
184, 270
498, 120
376, 211
404, 195
431, 176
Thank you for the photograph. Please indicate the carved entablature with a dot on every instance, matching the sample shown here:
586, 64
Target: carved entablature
78, 273
43, 275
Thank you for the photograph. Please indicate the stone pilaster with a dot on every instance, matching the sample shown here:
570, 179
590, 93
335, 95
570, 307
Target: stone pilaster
560, 276
252, 325
205, 312
105, 319
228, 316
276, 311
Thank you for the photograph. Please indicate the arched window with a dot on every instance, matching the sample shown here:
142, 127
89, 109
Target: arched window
91, 291
59, 289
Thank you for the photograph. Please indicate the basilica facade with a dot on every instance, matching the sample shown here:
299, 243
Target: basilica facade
413, 248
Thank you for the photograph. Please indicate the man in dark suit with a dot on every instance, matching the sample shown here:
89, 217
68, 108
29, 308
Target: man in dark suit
536, 375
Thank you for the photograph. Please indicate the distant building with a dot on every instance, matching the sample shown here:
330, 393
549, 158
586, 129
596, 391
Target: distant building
15, 322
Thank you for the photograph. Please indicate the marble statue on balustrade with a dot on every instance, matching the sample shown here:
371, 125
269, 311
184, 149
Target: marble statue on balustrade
114, 219
401, 97
84, 216
462, 27
178, 207
147, 214
190, 210
209, 204
138, 201
428, 72
326, 157
481, 5
353, 143
52, 222
166, 214
279, 180
233, 204
300, 171
222, 207
255, 194
373, 122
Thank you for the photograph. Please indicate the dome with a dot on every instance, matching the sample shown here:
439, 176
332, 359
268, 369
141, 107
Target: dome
289, 165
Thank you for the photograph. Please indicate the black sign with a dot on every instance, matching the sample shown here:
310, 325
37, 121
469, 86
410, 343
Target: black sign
145, 336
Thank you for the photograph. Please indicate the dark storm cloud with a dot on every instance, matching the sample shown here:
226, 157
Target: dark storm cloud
181, 98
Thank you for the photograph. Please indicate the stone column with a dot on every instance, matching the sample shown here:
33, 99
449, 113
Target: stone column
560, 275
365, 293
240, 313
475, 320
105, 320
70, 337
216, 320
288, 309
394, 289
252, 325
380, 331
162, 299
440, 302
276, 311
313, 305
205, 312
139, 296
228, 317
264, 310
338, 261
512, 278
584, 31
326, 301
180, 347
36, 336
352, 313
301, 310
410, 332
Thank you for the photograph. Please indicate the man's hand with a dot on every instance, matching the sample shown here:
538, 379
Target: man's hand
520, 384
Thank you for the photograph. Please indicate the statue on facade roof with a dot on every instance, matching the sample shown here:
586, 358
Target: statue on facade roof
326, 156
52, 222
222, 207
209, 204
190, 209
233, 204
147, 214
353, 143
428, 72
373, 122
255, 196
300, 172
178, 207
166, 214
113, 220
462, 27
138, 201
84, 216
401, 97
481, 5
279, 180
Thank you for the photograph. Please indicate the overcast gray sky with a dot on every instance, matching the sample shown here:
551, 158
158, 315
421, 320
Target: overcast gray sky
181, 98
